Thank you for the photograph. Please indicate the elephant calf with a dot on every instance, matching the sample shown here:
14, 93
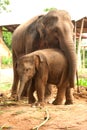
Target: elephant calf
42, 67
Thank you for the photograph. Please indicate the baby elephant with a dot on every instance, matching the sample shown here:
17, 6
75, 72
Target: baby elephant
42, 67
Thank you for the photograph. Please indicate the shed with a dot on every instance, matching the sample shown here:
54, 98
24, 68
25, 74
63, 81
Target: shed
81, 28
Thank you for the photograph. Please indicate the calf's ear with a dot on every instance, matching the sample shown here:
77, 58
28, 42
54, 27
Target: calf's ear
38, 59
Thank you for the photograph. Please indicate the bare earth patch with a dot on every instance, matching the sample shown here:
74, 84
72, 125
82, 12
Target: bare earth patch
21, 116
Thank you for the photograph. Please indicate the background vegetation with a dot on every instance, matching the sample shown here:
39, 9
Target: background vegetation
4, 5
7, 37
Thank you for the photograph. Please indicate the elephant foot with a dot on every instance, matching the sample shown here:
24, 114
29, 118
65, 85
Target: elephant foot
13, 92
68, 102
55, 102
38, 104
31, 101
14, 97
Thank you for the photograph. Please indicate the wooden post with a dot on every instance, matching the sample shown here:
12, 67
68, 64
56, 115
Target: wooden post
79, 45
83, 57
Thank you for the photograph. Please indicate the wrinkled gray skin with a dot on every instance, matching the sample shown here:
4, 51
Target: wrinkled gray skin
53, 30
47, 66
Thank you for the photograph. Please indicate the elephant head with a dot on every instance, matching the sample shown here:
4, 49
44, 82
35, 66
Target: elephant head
56, 29
26, 67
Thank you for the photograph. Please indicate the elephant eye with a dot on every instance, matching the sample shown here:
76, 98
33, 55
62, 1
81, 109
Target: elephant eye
27, 69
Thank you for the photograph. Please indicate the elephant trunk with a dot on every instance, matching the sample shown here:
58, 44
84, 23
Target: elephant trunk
70, 53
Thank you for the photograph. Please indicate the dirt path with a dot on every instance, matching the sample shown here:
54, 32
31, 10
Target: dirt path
21, 116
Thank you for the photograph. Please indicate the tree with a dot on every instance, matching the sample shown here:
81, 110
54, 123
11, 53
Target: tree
49, 9
3, 5
7, 37
5, 34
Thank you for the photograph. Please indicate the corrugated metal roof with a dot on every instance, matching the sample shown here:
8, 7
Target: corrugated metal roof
79, 22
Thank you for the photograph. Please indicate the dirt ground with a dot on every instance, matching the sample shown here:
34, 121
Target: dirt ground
21, 116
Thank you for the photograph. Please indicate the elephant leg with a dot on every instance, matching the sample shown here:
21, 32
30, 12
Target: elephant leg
40, 89
31, 90
15, 76
69, 96
48, 90
15, 84
60, 96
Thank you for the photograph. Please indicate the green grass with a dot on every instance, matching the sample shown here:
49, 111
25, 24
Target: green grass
83, 82
6, 62
5, 87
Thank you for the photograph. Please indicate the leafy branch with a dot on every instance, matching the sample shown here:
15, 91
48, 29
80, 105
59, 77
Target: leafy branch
3, 5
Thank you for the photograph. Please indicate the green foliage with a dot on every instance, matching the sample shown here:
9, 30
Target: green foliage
83, 82
49, 9
7, 37
5, 87
85, 60
3, 5
6, 62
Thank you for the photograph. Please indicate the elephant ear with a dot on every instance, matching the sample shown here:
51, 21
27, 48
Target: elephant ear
44, 24
38, 58
49, 21
40, 28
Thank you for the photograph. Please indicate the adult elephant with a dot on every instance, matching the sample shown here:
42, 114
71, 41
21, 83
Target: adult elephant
53, 30
57, 30
47, 66
21, 44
